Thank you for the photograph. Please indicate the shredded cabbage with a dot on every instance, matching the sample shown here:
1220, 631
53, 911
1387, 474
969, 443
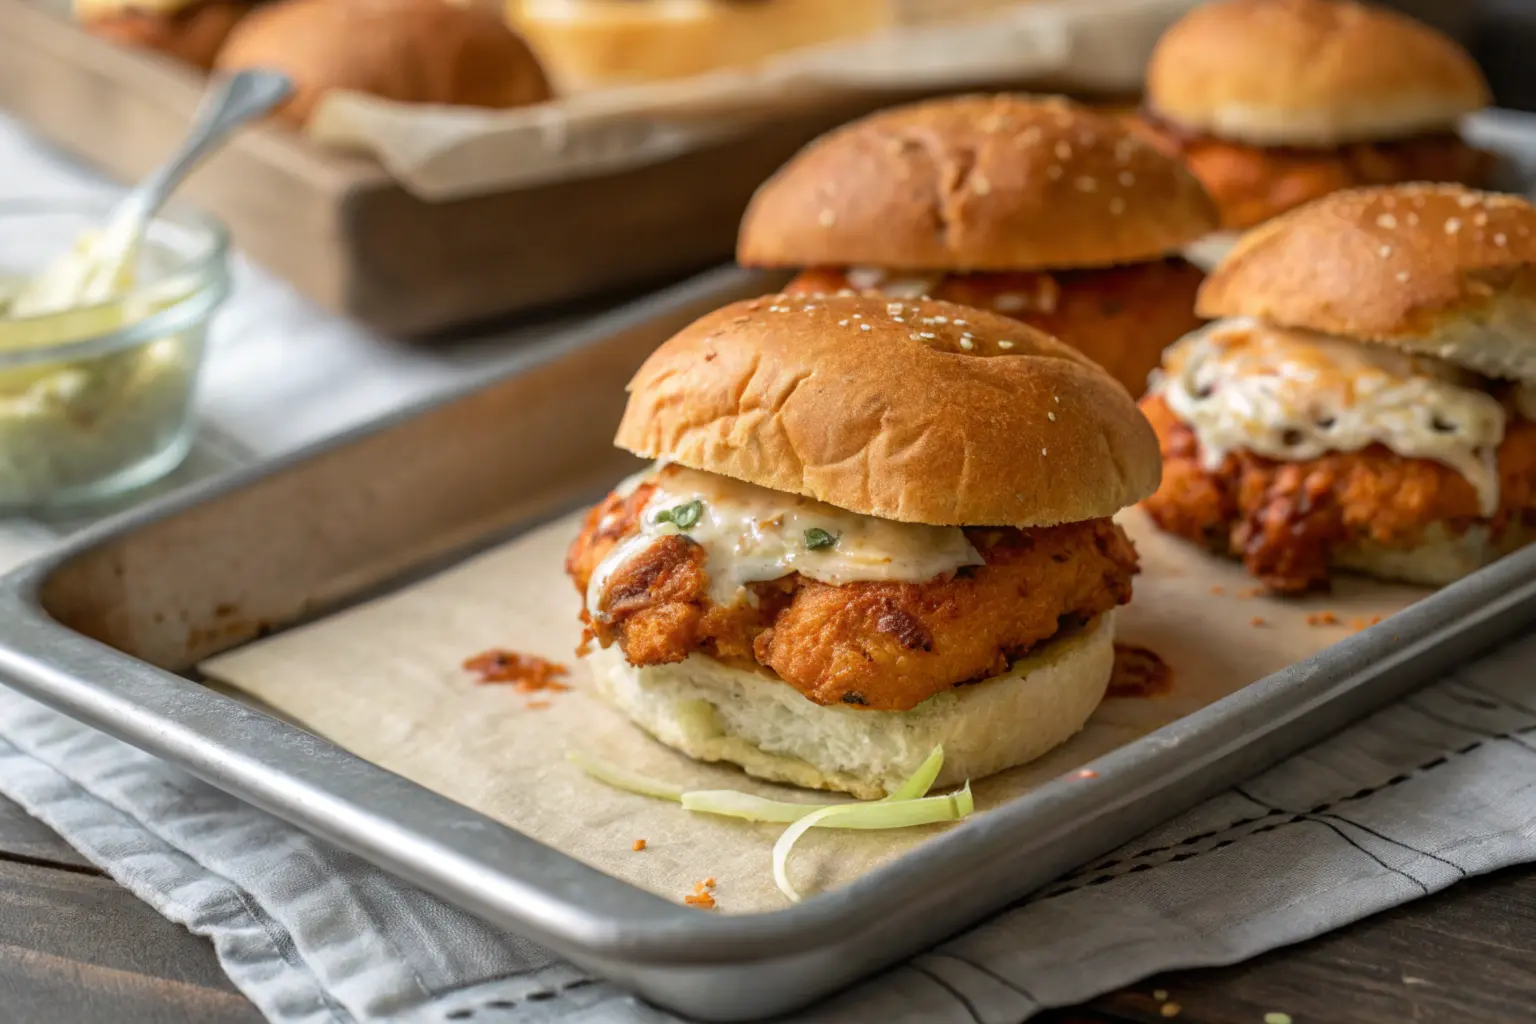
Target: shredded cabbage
623, 778
921, 781
736, 804
877, 815
906, 806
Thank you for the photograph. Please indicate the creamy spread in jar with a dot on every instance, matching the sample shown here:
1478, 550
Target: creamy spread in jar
752, 534
1295, 395
69, 419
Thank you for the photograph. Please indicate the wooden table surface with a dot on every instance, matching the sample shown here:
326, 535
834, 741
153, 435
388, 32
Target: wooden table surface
77, 949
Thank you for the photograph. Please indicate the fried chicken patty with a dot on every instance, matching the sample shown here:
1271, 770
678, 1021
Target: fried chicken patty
878, 645
1251, 184
1120, 317
1285, 519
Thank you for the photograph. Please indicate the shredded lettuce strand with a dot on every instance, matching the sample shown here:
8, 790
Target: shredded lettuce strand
904, 807
877, 815
733, 803
623, 778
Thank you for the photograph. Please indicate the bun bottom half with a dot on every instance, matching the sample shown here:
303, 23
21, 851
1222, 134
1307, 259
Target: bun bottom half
716, 712
1441, 558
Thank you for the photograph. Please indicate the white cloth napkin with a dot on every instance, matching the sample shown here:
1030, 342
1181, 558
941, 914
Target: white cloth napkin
1437, 788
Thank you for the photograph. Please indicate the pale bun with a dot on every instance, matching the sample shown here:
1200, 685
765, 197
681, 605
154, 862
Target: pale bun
1438, 560
715, 712
412, 51
192, 31
591, 44
1436, 270
1309, 73
917, 411
1003, 182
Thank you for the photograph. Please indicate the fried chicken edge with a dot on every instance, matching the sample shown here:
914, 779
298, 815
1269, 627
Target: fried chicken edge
1285, 519
873, 645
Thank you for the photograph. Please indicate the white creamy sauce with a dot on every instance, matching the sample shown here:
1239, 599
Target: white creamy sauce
752, 534
1294, 395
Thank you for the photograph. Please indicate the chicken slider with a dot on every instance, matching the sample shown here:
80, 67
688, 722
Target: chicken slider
1274, 103
1046, 211
1365, 401
875, 526
189, 30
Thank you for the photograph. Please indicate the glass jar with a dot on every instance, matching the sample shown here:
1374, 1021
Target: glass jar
97, 400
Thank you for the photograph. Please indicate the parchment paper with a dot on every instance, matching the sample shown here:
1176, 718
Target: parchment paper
384, 681
440, 152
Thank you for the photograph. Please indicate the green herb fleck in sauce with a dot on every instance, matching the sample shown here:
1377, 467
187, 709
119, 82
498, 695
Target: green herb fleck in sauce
817, 538
682, 516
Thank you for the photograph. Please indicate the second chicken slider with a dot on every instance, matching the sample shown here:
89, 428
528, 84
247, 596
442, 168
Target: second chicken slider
1365, 401
1040, 209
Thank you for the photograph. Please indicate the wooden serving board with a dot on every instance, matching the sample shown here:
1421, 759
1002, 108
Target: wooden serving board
348, 237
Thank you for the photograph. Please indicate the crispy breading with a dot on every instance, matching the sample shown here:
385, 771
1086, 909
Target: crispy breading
878, 645
1284, 519
1251, 184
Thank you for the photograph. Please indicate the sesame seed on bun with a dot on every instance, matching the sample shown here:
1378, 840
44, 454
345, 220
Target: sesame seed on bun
976, 183
1436, 270
917, 411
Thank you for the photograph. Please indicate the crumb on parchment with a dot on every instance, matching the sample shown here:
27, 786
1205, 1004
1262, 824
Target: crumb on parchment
701, 897
527, 673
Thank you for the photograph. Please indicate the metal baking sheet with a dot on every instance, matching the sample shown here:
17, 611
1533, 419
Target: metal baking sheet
108, 628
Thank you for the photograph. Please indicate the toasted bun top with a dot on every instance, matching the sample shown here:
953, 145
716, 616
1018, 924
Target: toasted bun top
413, 51
922, 412
1434, 269
976, 183
1309, 73
86, 10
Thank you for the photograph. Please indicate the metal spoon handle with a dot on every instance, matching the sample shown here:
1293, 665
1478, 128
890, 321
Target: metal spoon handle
229, 103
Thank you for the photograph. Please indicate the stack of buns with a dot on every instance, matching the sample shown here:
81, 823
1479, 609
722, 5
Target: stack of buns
192, 31
412, 51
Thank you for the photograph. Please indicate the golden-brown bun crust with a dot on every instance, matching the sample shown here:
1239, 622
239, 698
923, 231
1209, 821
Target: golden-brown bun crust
1435, 269
413, 51
1120, 317
193, 34
917, 411
1309, 73
976, 183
